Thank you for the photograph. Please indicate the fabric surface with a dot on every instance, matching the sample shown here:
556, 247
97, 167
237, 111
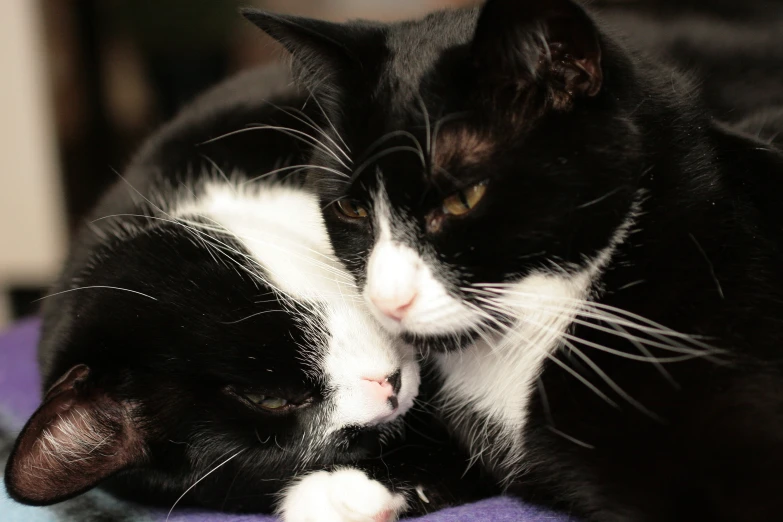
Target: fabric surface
19, 396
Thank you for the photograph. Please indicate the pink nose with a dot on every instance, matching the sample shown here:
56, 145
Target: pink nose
384, 389
395, 308
380, 388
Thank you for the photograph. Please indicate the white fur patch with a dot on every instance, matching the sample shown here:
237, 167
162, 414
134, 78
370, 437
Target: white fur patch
496, 376
358, 349
282, 229
396, 274
72, 438
346, 495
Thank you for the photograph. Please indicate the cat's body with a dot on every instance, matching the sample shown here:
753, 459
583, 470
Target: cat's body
203, 346
593, 256
730, 50
591, 259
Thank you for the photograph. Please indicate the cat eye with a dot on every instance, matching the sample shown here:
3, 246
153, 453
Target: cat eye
352, 209
268, 403
465, 200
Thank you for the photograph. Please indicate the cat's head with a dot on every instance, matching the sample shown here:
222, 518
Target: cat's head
218, 334
477, 158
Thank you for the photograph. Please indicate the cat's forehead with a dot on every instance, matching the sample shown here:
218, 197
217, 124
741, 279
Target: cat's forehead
458, 155
281, 234
202, 306
416, 48
421, 103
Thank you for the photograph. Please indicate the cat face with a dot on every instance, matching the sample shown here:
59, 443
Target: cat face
493, 162
204, 338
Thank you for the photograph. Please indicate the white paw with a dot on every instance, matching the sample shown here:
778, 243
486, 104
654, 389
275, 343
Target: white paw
346, 495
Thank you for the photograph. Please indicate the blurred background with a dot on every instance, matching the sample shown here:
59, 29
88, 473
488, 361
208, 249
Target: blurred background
86, 80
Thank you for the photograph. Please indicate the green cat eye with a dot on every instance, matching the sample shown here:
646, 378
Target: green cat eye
268, 403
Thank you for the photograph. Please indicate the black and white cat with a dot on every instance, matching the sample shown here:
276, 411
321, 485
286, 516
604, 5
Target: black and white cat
594, 261
203, 345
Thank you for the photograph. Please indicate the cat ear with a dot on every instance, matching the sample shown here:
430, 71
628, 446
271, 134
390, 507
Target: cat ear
520, 42
77, 437
319, 48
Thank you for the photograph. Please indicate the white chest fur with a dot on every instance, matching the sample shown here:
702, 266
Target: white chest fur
487, 387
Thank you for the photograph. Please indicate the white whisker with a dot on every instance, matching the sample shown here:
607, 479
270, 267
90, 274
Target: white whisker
302, 117
551, 419
199, 480
329, 121
393, 134
96, 286
436, 130
251, 316
293, 133
426, 115
381, 154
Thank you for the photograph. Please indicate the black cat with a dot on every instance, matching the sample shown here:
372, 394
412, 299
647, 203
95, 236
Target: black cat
592, 257
203, 345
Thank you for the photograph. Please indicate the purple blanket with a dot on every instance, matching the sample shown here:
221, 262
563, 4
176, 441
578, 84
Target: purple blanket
19, 396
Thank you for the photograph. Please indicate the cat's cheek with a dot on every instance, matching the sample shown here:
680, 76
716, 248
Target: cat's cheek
345, 495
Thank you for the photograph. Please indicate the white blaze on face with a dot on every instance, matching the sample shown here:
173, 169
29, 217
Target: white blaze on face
402, 290
393, 279
360, 354
283, 231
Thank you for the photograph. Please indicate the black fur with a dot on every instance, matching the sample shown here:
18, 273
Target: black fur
512, 91
164, 372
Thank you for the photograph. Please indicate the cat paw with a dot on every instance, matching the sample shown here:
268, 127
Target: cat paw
346, 495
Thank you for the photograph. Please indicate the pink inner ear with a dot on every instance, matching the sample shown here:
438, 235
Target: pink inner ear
71, 443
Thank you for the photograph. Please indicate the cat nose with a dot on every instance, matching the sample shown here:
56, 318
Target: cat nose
393, 274
384, 389
395, 306
395, 380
